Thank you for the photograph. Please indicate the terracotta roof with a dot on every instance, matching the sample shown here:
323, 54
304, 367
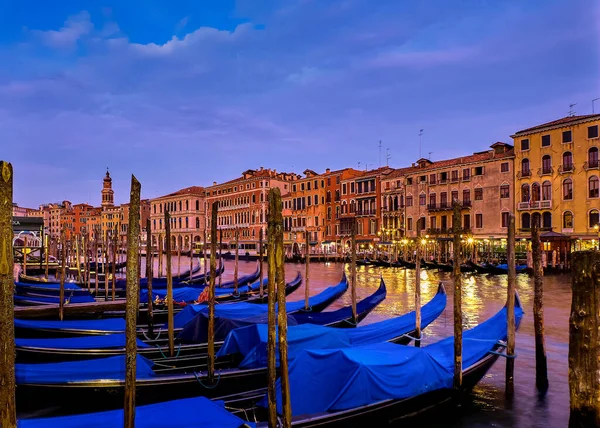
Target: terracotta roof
193, 190
560, 122
401, 172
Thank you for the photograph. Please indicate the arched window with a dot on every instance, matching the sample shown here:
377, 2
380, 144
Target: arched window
593, 187
594, 218
197, 205
536, 218
593, 157
197, 223
535, 192
546, 164
567, 161
254, 198
525, 171
525, 193
547, 220
187, 205
546, 191
568, 189
568, 220
526, 221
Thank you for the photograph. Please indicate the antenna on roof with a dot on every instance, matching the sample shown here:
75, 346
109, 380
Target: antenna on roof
429, 157
387, 157
593, 101
358, 165
380, 153
420, 141
571, 112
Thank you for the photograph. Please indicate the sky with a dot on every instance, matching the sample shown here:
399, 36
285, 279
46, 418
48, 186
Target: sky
184, 93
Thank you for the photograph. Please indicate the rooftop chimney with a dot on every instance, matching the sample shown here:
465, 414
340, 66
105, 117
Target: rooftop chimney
327, 171
214, 183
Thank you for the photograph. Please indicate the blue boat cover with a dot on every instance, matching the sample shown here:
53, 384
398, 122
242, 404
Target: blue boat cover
185, 413
251, 341
54, 299
242, 310
109, 325
112, 368
48, 285
367, 374
191, 294
82, 342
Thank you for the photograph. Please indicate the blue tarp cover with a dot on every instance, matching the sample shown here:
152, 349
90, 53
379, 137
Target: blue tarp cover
48, 285
251, 341
112, 368
83, 342
367, 374
55, 299
190, 294
242, 310
198, 412
111, 325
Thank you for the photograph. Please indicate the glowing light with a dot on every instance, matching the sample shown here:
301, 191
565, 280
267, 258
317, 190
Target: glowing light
470, 240
423, 241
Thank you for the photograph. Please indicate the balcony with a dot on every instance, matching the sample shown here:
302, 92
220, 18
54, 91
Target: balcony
454, 180
524, 174
234, 226
299, 229
366, 212
534, 205
565, 169
591, 165
545, 171
234, 207
444, 206
444, 181
392, 209
468, 178
447, 231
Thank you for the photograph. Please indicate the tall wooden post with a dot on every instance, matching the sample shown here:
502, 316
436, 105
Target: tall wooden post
149, 275
541, 364
306, 276
260, 262
105, 263
8, 407
220, 255
237, 255
114, 262
46, 256
132, 301
78, 257
276, 207
211, 290
271, 299
418, 287
171, 332
160, 257
458, 327
584, 340
353, 270
191, 257
25, 255
97, 266
510, 306
205, 251
63, 273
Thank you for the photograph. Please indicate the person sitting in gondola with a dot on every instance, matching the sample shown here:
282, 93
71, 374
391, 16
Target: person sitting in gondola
203, 297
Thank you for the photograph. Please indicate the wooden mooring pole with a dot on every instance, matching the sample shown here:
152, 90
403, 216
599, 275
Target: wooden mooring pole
8, 407
584, 340
204, 252
25, 255
159, 254
306, 276
178, 258
237, 258
149, 275
132, 301
46, 256
211, 290
114, 263
541, 363
63, 273
458, 327
220, 255
191, 256
271, 298
353, 270
96, 266
510, 307
260, 263
171, 333
418, 288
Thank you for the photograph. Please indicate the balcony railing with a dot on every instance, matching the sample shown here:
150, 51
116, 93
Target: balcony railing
534, 205
443, 181
298, 229
234, 207
454, 180
392, 209
467, 178
591, 165
564, 169
447, 231
524, 173
545, 171
445, 206
366, 212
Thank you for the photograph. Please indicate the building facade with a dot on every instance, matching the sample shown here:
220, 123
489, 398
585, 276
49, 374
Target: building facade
557, 181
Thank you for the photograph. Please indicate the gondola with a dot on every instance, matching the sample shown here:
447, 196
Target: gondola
99, 383
363, 262
409, 265
382, 382
478, 268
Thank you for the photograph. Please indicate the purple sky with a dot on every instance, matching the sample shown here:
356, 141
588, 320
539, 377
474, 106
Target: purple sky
197, 92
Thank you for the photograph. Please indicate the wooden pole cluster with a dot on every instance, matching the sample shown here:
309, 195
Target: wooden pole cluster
510, 306
211, 291
541, 363
306, 276
458, 328
95, 258
170, 314
114, 263
276, 280
353, 271
8, 407
63, 272
260, 262
237, 255
418, 288
149, 275
133, 297
25, 255
584, 341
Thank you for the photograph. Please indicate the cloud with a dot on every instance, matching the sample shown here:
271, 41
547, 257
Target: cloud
75, 27
418, 59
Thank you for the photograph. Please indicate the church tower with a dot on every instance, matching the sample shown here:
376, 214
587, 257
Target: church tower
108, 198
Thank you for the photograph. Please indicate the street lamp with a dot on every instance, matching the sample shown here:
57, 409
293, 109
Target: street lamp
597, 229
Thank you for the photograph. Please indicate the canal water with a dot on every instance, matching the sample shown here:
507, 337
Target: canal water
483, 296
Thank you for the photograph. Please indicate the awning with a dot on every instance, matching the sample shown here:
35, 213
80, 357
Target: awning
313, 242
364, 241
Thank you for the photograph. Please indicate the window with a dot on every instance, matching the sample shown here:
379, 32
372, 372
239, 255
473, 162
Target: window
594, 218
505, 191
593, 131
344, 188
546, 140
568, 220
432, 199
466, 196
525, 195
546, 191
409, 223
478, 170
443, 199
301, 186
593, 157
479, 194
443, 177
455, 175
422, 199
505, 219
432, 222
525, 144
525, 171
467, 221
567, 161
504, 167
568, 189
567, 137
316, 199
454, 195
423, 179
478, 221
466, 174
409, 181
409, 201
526, 221
535, 192
432, 178
337, 179
593, 186
293, 187
444, 222
547, 220
546, 164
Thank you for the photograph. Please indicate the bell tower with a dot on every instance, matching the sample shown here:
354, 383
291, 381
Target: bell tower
108, 198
